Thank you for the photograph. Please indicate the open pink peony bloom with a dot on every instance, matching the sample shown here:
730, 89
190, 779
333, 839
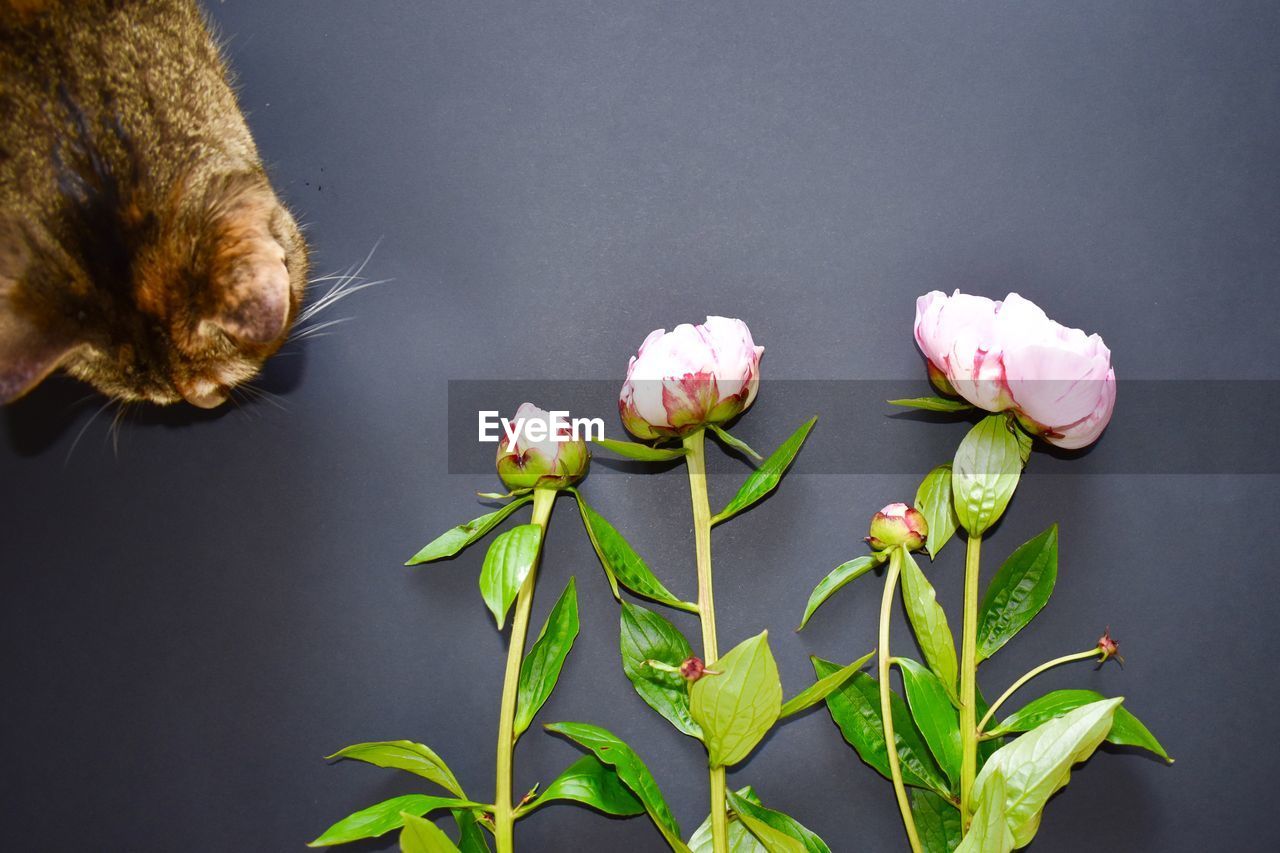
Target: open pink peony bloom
689, 377
1009, 356
545, 455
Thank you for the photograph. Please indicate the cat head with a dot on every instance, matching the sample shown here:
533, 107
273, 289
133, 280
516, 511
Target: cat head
161, 298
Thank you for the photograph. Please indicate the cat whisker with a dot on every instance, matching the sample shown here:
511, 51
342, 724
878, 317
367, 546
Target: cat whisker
85, 429
114, 430
315, 330
253, 392
336, 294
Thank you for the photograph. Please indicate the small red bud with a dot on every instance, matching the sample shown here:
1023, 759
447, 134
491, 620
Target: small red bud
1109, 648
693, 669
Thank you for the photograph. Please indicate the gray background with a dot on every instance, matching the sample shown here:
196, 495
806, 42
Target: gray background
187, 626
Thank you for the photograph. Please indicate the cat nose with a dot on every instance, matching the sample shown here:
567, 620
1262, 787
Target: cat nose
202, 394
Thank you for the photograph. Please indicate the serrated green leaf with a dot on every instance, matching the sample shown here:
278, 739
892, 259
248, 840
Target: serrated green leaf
855, 708
929, 621
593, 783
820, 689
934, 715
644, 636
621, 563
403, 755
989, 832
839, 576
737, 707
932, 404
985, 473
540, 670
734, 442
1018, 592
381, 818
631, 770
422, 836
507, 564
933, 499
791, 836
740, 838
765, 479
1126, 729
642, 452
937, 822
1037, 764
452, 541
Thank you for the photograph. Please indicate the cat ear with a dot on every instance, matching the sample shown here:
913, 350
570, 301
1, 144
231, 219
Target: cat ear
247, 268
27, 353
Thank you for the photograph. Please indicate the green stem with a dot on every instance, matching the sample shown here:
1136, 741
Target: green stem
969, 679
503, 813
886, 706
1013, 688
696, 459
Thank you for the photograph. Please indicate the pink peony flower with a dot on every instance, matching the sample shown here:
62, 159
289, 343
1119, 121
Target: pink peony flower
1009, 356
684, 379
550, 458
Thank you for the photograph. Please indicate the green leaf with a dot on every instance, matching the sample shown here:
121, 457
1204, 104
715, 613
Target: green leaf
1126, 729
765, 479
777, 831
740, 838
934, 501
840, 575
631, 770
933, 404
937, 822
508, 562
471, 837
989, 832
820, 689
1018, 592
643, 452
385, 816
1024, 444
986, 748
1037, 764
736, 443
985, 473
540, 670
645, 636
934, 715
737, 708
773, 840
592, 782
621, 562
404, 755
422, 836
929, 621
855, 708
452, 541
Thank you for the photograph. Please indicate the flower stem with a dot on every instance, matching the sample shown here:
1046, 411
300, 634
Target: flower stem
696, 459
1013, 688
969, 679
886, 707
503, 813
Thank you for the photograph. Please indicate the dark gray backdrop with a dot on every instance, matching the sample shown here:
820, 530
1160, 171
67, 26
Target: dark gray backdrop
187, 626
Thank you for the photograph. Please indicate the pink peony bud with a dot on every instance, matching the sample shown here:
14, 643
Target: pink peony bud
692, 376
1009, 356
544, 455
898, 524
693, 669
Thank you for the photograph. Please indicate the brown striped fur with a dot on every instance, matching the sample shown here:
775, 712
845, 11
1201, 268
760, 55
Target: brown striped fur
142, 248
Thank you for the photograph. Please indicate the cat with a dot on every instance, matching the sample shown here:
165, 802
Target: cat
142, 247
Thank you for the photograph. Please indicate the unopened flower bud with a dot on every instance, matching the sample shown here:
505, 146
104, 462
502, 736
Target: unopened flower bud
1109, 647
693, 669
544, 455
898, 524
